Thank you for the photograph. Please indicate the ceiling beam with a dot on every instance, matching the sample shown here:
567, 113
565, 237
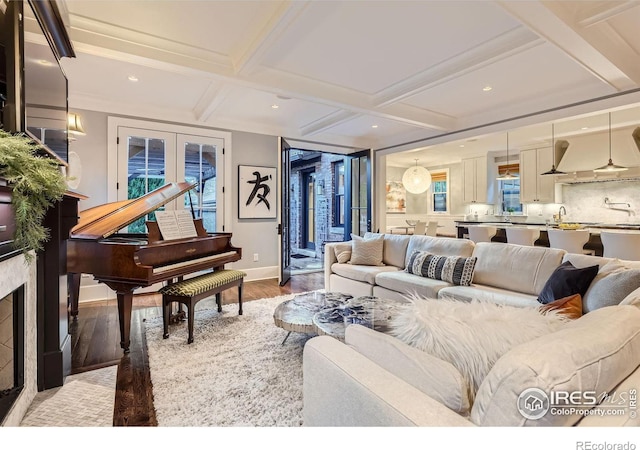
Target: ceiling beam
327, 122
251, 56
210, 100
501, 47
543, 19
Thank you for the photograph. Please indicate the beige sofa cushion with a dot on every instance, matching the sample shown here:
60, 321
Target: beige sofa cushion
439, 246
409, 284
583, 355
517, 268
489, 293
365, 274
394, 249
438, 379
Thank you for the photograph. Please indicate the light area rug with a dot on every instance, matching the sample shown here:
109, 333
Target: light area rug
85, 400
235, 373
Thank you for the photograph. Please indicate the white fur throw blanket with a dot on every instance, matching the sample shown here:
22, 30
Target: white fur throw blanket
470, 335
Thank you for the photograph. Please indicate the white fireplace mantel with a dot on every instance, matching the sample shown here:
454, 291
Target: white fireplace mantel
15, 272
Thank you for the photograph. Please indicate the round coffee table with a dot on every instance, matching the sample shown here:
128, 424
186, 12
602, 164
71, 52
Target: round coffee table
371, 312
297, 314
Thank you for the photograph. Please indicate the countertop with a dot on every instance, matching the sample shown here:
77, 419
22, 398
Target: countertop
589, 225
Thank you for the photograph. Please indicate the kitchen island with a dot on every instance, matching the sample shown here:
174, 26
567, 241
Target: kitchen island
594, 242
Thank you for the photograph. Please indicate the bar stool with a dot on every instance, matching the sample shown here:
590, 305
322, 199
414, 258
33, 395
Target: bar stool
522, 235
572, 241
623, 245
481, 233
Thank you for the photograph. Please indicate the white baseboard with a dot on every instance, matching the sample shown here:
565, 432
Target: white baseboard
261, 273
99, 292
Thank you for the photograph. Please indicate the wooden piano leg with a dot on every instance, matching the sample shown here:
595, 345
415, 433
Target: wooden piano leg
74, 293
125, 301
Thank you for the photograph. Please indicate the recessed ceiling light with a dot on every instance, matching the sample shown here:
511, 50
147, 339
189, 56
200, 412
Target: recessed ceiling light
461, 145
44, 62
275, 106
133, 78
374, 126
584, 128
487, 88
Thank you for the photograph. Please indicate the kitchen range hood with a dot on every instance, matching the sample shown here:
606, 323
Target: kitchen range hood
587, 152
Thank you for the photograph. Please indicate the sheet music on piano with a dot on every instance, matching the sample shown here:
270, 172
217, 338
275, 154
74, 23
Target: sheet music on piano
176, 224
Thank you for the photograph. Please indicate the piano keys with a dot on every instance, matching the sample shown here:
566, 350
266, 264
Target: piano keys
127, 261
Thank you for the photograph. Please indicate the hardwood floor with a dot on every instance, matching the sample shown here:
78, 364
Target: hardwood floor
95, 340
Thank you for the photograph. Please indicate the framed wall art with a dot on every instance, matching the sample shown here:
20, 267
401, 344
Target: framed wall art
396, 197
256, 192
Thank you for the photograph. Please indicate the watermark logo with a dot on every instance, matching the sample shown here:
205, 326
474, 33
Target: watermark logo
533, 403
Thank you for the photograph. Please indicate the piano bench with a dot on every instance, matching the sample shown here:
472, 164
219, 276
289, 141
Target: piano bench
191, 291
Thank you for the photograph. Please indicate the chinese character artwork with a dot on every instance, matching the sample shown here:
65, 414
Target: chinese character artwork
256, 192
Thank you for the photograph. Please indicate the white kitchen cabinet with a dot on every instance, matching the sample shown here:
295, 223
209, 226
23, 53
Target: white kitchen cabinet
474, 180
536, 188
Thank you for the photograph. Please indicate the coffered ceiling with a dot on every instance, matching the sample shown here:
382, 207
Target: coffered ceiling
414, 69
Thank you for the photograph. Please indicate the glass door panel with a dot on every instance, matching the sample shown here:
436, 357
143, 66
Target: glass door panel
145, 162
200, 162
359, 195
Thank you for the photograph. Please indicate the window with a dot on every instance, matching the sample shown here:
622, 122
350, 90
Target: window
338, 194
510, 190
439, 192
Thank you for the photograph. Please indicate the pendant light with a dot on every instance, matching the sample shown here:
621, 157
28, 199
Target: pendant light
610, 167
553, 170
507, 175
416, 179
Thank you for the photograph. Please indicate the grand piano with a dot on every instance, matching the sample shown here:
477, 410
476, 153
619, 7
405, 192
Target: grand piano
125, 261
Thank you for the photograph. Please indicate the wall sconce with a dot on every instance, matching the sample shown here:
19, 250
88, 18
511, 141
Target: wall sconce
74, 124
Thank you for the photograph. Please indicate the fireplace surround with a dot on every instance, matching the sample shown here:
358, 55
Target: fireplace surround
18, 281
11, 349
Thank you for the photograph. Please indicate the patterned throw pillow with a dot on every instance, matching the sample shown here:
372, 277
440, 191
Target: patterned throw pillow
343, 252
452, 269
367, 252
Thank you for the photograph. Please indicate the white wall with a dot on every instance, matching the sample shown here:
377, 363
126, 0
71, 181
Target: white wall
254, 235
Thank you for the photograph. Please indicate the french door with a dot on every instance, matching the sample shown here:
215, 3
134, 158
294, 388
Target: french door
358, 194
284, 212
148, 159
199, 161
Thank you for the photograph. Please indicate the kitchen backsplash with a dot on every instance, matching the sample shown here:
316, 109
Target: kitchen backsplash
585, 202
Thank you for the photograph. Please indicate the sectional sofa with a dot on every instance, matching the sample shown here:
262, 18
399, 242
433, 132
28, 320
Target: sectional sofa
375, 379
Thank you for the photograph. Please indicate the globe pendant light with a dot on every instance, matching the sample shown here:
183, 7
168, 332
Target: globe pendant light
416, 179
553, 170
507, 175
610, 167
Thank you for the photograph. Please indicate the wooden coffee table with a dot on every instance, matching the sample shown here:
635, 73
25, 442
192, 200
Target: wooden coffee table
297, 314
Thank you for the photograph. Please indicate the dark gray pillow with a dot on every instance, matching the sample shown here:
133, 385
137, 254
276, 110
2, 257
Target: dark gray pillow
611, 289
567, 280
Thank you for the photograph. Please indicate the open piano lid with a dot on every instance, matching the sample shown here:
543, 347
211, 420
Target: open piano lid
104, 220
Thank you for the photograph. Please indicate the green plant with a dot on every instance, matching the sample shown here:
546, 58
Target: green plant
37, 184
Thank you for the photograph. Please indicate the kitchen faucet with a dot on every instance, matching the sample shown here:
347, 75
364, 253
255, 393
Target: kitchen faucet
560, 211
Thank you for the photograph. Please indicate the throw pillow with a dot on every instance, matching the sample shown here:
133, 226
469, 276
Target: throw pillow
471, 336
570, 307
452, 269
567, 280
343, 252
612, 289
367, 252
